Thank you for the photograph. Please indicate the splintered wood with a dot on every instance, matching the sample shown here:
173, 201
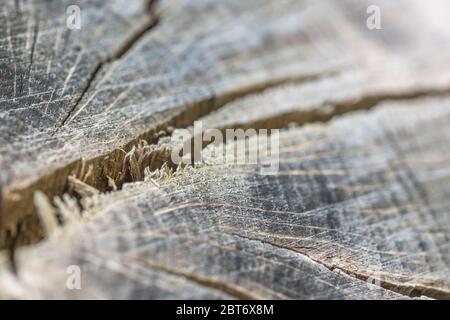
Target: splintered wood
358, 208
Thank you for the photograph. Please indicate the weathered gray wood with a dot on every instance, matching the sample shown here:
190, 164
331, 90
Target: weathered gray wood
320, 100
198, 57
359, 199
363, 197
45, 69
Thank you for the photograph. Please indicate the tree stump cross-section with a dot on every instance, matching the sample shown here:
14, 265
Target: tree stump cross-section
358, 208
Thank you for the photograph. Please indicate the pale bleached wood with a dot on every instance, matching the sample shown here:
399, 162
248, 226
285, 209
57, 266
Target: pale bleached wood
321, 99
361, 198
45, 68
202, 54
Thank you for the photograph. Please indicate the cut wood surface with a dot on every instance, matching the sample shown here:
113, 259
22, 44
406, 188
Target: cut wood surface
362, 197
358, 208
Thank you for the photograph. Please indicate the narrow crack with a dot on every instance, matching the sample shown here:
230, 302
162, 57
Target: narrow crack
11, 241
301, 117
226, 287
11, 238
407, 290
161, 156
81, 96
277, 121
33, 48
339, 108
56, 181
316, 115
154, 19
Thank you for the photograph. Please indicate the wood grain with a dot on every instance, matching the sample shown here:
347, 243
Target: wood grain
357, 210
361, 198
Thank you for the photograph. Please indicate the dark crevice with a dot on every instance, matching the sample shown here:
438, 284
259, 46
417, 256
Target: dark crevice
56, 182
407, 290
301, 117
317, 115
81, 96
33, 48
204, 107
12, 237
115, 166
412, 291
223, 286
11, 243
186, 118
117, 55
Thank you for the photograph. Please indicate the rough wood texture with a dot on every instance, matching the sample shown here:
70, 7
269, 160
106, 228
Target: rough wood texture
358, 199
339, 211
137, 86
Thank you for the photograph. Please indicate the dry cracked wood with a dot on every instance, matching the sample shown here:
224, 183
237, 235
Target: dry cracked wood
360, 198
71, 94
45, 69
